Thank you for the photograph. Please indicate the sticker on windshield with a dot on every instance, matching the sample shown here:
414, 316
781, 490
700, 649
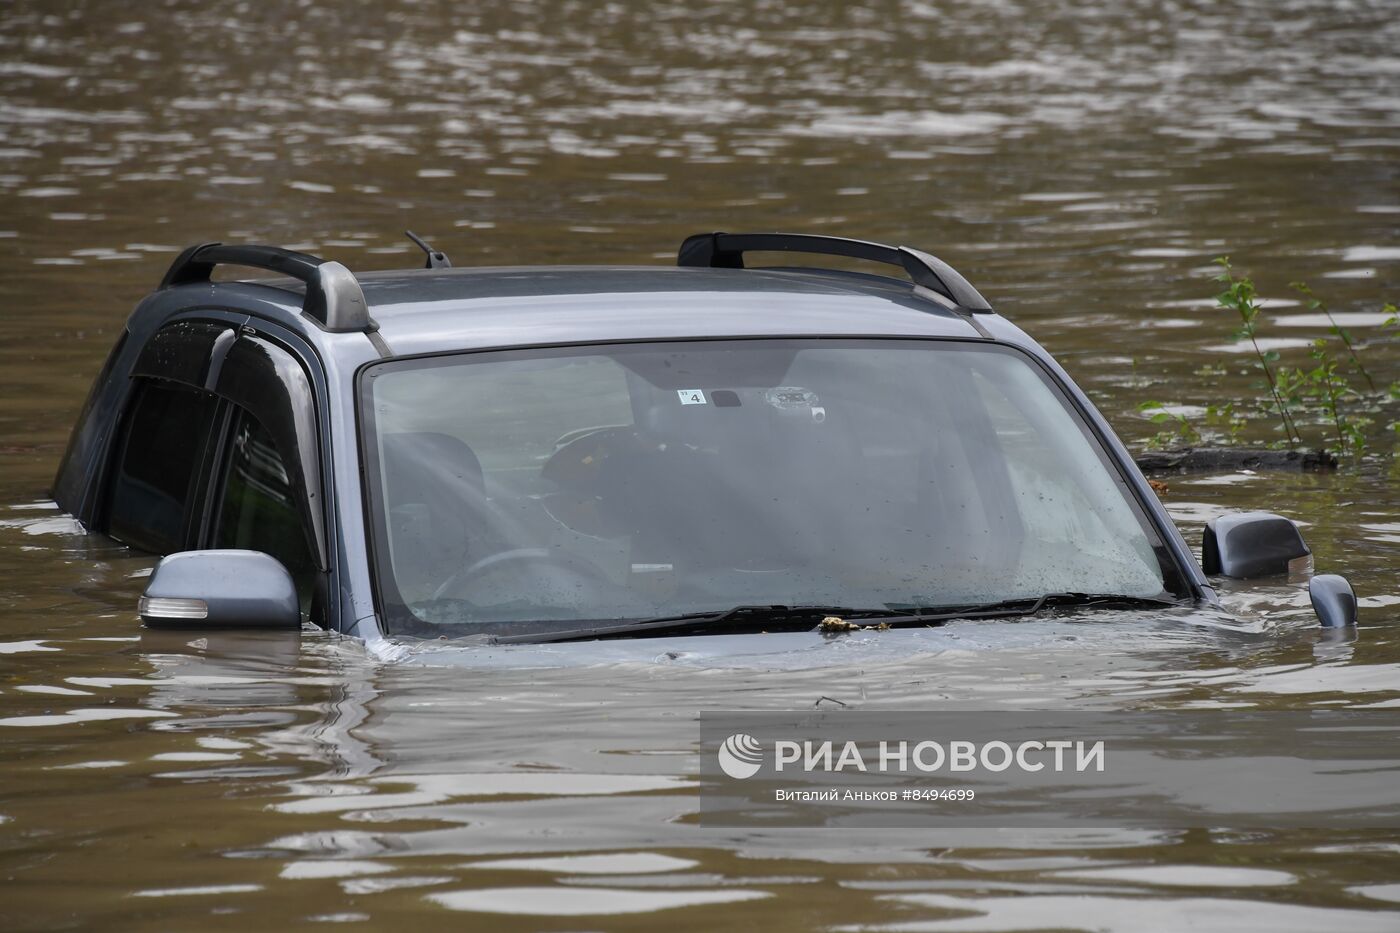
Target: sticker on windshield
691, 396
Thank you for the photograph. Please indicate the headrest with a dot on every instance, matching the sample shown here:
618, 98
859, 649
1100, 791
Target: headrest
419, 466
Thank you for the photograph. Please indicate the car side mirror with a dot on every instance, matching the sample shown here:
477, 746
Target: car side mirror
1333, 600
1253, 544
220, 589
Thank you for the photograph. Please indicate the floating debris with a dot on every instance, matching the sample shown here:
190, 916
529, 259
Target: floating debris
832, 625
837, 624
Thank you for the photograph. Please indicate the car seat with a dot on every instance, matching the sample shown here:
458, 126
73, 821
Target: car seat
435, 498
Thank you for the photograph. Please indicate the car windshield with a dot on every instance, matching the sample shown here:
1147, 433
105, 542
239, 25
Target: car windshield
518, 490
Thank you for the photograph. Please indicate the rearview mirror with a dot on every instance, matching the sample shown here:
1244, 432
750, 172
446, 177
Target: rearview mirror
1333, 600
1253, 544
220, 589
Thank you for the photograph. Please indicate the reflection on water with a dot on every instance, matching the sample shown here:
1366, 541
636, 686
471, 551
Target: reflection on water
1081, 165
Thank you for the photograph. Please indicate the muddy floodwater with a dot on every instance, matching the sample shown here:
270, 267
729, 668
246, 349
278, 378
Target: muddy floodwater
1081, 163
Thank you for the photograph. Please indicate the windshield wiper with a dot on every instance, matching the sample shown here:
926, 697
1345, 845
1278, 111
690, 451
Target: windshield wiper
799, 617
1029, 606
752, 615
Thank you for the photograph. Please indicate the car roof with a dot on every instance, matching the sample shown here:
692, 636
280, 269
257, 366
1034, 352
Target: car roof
440, 310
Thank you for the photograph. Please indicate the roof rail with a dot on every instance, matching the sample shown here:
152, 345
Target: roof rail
333, 296
726, 251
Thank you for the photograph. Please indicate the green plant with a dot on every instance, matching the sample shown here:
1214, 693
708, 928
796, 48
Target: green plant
1325, 387
1317, 304
1390, 323
1182, 431
1240, 296
1321, 393
1225, 414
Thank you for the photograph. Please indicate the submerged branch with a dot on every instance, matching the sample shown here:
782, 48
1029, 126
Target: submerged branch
1223, 459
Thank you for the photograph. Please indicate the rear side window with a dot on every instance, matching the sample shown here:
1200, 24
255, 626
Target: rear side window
259, 505
161, 451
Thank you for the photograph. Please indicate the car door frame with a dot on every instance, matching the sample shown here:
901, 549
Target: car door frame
260, 367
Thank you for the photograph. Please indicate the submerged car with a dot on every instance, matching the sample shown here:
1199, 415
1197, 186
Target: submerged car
541, 454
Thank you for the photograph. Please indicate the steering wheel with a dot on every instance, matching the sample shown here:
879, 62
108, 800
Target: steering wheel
574, 567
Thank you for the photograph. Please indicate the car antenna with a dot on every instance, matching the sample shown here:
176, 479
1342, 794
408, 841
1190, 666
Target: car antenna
436, 258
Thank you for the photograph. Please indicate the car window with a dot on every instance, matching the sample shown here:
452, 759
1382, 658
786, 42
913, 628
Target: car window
160, 452
1062, 496
516, 420
257, 504
546, 487
457, 445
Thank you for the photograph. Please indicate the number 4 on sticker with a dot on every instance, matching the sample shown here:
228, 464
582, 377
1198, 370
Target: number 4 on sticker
691, 396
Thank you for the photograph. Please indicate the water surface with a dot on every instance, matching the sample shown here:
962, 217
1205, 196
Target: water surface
1080, 164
